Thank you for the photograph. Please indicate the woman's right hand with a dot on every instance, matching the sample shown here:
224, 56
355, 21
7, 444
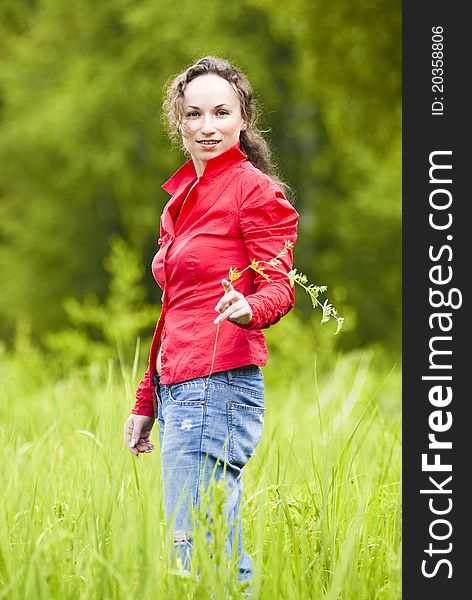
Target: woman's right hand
137, 430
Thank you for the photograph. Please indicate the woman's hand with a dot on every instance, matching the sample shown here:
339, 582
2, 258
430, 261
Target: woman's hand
233, 305
137, 430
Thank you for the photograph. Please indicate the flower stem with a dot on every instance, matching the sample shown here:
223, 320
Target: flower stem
214, 354
332, 313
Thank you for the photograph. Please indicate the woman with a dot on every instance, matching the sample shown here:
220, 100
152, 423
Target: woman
227, 208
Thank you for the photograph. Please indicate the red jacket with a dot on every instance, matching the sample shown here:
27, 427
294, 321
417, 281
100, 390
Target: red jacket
230, 215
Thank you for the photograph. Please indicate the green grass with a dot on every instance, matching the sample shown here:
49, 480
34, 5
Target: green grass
81, 518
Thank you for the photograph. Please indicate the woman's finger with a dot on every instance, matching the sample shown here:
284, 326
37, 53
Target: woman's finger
144, 446
227, 285
243, 312
236, 307
227, 299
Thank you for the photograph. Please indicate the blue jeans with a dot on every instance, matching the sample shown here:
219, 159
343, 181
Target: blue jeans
208, 430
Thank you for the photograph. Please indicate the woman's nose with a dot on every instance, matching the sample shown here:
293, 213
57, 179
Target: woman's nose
208, 125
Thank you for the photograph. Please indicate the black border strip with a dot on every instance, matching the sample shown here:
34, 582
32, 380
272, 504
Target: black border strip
436, 269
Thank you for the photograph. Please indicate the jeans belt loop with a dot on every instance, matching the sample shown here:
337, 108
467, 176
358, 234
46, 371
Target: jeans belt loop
230, 375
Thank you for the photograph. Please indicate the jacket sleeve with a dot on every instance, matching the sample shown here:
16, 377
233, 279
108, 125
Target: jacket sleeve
146, 401
267, 220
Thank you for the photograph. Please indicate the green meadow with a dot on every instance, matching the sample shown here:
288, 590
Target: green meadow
82, 518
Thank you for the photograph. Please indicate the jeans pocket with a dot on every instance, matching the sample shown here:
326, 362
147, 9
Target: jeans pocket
250, 383
186, 394
245, 425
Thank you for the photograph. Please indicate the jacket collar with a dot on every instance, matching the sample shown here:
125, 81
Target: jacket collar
213, 168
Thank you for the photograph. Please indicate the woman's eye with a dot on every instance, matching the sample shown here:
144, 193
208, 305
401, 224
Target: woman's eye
194, 113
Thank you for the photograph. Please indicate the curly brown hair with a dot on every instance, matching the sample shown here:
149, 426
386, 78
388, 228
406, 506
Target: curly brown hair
252, 142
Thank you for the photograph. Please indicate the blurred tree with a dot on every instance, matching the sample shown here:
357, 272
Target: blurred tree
83, 153
99, 331
343, 153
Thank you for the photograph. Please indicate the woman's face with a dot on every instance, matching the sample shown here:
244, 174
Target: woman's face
212, 118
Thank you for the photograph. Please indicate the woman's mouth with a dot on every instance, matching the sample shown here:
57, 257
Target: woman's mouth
208, 144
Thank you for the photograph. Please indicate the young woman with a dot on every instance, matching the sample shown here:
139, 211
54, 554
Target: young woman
227, 208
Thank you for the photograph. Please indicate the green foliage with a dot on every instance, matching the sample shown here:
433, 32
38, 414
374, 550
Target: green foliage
84, 154
313, 292
99, 329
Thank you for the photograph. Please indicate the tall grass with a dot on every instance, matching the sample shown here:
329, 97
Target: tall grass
82, 518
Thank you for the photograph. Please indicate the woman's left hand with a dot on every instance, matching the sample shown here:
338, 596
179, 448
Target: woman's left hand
233, 305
